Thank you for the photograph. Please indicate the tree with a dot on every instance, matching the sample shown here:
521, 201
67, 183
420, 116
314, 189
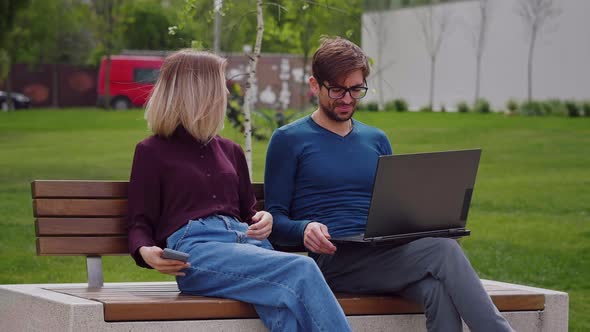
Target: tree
108, 32
535, 14
479, 42
251, 80
55, 34
145, 26
380, 34
296, 26
434, 26
9, 40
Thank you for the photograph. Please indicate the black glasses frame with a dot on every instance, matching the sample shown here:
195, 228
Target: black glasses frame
346, 90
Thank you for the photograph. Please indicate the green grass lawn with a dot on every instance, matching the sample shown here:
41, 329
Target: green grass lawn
530, 216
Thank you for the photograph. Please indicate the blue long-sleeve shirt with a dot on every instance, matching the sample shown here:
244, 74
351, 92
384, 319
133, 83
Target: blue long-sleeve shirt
313, 174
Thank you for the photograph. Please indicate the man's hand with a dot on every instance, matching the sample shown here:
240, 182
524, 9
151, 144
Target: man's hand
261, 226
317, 239
153, 257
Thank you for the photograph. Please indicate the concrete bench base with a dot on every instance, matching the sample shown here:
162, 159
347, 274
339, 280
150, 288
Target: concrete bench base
33, 308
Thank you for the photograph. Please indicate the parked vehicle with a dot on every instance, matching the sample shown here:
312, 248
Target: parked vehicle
132, 78
18, 100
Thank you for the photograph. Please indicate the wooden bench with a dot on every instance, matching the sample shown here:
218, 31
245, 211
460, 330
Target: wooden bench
87, 218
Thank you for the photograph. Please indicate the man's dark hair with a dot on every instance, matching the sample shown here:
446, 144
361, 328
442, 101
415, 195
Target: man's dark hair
337, 57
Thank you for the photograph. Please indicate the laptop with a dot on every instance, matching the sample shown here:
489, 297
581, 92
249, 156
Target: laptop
419, 195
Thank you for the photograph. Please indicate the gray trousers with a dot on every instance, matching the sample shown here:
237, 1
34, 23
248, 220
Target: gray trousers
431, 271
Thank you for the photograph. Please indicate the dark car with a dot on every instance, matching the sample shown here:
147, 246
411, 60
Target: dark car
18, 99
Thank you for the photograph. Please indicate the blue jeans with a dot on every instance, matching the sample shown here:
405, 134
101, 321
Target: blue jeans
288, 291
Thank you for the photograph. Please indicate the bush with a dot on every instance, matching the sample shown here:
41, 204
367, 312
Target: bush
554, 106
370, 106
531, 108
426, 109
572, 108
401, 105
463, 107
482, 106
512, 106
586, 108
443, 109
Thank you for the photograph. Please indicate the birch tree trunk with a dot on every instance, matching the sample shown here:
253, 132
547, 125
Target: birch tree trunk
249, 97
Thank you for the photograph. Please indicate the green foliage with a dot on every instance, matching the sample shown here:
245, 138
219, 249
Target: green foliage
482, 106
147, 27
235, 116
426, 109
54, 32
290, 26
370, 106
586, 108
462, 107
399, 105
531, 108
512, 106
572, 108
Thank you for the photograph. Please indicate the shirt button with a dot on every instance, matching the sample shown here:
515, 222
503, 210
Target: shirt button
202, 156
208, 174
214, 196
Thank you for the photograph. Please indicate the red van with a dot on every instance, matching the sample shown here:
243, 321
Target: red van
132, 79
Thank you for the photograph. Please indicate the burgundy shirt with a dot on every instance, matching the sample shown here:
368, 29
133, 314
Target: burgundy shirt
176, 179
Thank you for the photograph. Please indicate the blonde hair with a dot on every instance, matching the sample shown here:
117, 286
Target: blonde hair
191, 92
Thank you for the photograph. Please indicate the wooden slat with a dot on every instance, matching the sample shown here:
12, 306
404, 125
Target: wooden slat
171, 310
80, 226
162, 301
82, 246
78, 188
259, 205
258, 190
43, 207
94, 189
518, 302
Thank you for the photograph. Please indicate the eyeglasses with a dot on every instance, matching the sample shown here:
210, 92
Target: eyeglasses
337, 92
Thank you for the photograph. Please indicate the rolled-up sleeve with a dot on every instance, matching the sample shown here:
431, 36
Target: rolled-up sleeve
143, 209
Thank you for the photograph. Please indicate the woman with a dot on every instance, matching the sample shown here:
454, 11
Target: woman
190, 191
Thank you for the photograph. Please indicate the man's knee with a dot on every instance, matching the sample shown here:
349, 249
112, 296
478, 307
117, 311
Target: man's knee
443, 246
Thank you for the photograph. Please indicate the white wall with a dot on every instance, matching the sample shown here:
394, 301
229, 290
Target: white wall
561, 63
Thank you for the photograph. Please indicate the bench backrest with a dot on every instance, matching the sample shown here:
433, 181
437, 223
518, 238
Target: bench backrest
85, 218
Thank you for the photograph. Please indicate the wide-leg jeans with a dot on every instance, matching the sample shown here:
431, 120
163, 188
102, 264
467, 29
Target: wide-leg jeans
287, 290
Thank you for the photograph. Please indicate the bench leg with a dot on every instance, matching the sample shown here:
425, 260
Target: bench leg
94, 270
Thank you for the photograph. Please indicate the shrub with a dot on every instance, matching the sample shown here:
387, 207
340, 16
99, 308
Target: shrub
531, 108
572, 108
482, 106
399, 105
426, 109
586, 108
443, 109
372, 106
555, 106
512, 106
462, 107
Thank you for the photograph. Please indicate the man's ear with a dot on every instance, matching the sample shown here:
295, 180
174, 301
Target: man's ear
314, 85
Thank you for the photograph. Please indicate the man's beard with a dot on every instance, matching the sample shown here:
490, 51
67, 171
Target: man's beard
330, 112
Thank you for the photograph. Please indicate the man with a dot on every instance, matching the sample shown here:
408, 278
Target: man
318, 183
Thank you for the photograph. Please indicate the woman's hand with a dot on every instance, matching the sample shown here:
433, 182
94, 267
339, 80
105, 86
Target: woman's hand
153, 257
261, 226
